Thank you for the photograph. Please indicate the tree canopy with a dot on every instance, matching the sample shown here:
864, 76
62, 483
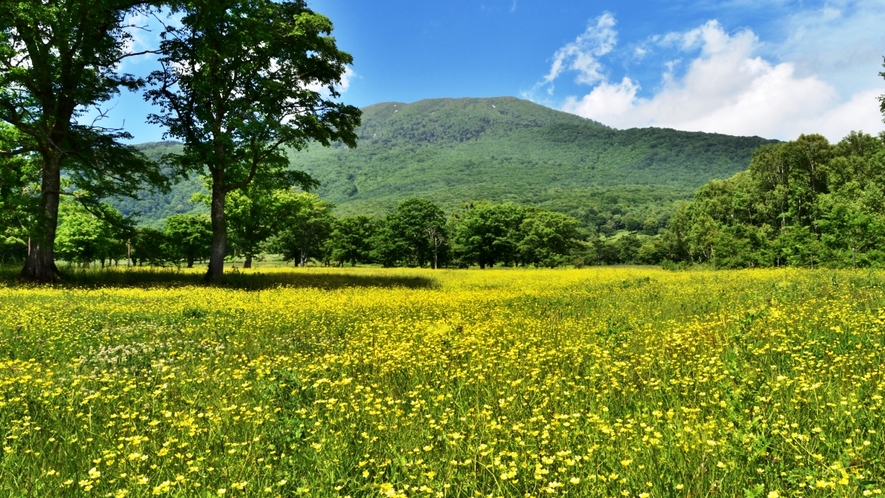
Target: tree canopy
240, 80
57, 58
800, 203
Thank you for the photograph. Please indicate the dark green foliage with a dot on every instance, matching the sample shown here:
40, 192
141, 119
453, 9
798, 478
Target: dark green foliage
418, 232
350, 240
253, 214
487, 234
149, 246
240, 80
306, 223
800, 203
19, 183
548, 238
450, 151
58, 58
188, 238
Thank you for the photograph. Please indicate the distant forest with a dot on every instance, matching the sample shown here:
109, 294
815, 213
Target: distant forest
452, 151
532, 187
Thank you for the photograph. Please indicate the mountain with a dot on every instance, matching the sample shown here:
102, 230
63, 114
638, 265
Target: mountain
506, 149
154, 208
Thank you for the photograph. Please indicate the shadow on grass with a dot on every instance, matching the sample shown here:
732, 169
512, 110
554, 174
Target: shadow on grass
166, 277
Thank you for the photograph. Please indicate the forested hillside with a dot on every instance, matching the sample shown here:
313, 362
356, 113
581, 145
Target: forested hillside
505, 149
156, 207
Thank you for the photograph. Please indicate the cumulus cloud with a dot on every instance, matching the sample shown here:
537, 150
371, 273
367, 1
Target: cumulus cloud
724, 87
582, 55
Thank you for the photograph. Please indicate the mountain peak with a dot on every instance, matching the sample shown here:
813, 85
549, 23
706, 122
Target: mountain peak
446, 120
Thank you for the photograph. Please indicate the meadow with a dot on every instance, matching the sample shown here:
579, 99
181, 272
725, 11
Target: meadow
369, 382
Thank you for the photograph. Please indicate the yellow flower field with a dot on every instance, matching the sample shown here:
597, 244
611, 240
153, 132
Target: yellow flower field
370, 382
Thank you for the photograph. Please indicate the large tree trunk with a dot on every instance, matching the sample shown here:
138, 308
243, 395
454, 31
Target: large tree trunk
248, 262
40, 265
219, 232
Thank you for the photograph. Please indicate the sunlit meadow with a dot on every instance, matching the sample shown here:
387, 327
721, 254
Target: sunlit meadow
595, 382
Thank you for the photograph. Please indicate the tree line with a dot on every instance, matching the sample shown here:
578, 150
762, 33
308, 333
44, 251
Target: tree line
301, 228
801, 203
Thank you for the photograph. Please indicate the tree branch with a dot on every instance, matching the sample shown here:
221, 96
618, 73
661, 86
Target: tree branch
17, 152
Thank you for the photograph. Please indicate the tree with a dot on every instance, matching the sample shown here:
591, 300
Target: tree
240, 81
419, 227
486, 234
84, 236
149, 245
18, 184
253, 214
58, 57
548, 238
350, 240
386, 247
189, 237
800, 203
252, 218
307, 223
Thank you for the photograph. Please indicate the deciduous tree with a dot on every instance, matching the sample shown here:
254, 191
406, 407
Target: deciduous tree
419, 227
241, 81
350, 240
547, 238
19, 174
487, 234
306, 225
189, 237
84, 237
57, 58
253, 214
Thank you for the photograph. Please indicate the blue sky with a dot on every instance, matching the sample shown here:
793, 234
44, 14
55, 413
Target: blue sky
774, 68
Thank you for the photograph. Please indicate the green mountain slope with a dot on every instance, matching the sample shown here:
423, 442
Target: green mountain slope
154, 208
500, 149
506, 149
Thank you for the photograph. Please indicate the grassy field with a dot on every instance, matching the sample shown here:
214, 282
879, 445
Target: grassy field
596, 382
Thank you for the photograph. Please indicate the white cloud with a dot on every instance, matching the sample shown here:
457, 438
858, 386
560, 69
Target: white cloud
346, 78
860, 112
727, 88
843, 40
582, 55
607, 103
